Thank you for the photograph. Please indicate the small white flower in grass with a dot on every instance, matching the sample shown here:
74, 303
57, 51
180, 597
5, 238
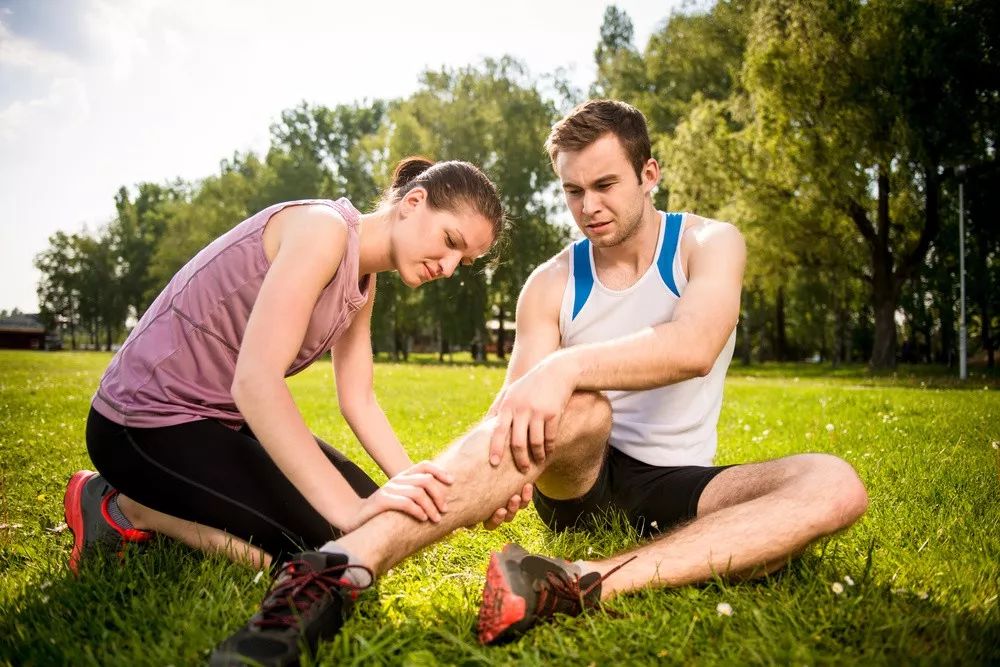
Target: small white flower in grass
258, 576
766, 432
724, 609
837, 587
922, 595
848, 580
746, 427
996, 445
829, 428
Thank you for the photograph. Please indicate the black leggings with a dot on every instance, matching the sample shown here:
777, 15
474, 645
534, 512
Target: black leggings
208, 473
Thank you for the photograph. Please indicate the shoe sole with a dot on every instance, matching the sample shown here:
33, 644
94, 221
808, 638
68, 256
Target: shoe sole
501, 607
73, 514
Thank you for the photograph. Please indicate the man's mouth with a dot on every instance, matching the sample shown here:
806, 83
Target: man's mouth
599, 226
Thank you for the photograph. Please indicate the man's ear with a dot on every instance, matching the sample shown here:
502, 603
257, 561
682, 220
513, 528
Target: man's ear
650, 175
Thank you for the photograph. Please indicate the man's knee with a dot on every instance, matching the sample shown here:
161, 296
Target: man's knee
839, 490
587, 418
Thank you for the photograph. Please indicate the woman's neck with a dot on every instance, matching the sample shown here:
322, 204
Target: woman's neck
374, 249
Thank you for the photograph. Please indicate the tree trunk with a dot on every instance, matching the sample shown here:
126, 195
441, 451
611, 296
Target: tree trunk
780, 340
884, 345
745, 330
986, 333
501, 336
885, 293
840, 351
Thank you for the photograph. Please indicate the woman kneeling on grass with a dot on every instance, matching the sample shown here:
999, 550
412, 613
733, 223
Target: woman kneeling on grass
193, 428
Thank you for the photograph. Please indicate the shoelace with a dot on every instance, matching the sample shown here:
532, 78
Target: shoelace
286, 603
561, 587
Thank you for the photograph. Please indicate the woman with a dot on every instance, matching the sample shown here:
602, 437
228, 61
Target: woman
193, 429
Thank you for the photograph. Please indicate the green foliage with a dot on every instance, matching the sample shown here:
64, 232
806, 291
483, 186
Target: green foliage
922, 561
827, 133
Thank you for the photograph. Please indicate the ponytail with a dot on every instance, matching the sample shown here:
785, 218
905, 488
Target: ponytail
408, 169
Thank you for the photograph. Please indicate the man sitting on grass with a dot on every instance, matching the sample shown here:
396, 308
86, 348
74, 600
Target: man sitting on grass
611, 402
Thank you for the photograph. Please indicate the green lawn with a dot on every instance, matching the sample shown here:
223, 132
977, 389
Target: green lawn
924, 561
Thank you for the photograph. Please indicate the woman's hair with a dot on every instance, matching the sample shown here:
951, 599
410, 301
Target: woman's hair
451, 186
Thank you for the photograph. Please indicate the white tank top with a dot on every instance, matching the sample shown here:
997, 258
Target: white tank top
667, 426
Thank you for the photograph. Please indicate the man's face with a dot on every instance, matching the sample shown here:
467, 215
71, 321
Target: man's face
602, 191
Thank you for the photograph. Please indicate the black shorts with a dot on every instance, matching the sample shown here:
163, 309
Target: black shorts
653, 498
208, 473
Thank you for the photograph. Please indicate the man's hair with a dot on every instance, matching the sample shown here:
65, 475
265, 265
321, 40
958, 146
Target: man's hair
595, 118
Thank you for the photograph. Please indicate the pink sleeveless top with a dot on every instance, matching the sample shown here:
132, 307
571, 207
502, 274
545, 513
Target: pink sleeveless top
178, 363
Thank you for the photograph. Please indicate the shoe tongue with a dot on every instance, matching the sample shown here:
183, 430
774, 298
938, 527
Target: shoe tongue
321, 560
588, 580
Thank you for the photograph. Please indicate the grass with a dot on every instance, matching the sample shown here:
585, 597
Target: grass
924, 560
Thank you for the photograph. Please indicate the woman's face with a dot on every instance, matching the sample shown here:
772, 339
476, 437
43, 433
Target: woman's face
428, 244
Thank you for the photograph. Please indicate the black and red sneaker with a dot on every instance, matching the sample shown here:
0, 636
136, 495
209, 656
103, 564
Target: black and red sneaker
308, 601
86, 511
523, 589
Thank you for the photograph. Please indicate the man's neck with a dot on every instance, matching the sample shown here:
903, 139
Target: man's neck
634, 255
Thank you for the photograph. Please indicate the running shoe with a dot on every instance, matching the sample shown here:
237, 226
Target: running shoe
86, 512
308, 601
523, 589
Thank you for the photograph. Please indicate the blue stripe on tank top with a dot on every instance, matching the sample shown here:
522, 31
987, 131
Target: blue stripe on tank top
665, 262
583, 276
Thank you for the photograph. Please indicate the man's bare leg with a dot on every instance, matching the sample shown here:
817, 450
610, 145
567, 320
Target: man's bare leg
479, 488
751, 520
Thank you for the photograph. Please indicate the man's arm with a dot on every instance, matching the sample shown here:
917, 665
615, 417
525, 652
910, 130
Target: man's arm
686, 346
683, 348
536, 337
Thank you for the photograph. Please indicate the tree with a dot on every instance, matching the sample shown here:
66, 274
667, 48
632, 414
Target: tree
135, 235
58, 289
836, 89
495, 117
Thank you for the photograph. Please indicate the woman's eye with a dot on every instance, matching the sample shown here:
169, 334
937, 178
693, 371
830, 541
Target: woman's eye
449, 242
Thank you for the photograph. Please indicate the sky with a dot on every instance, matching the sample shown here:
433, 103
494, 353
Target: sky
96, 94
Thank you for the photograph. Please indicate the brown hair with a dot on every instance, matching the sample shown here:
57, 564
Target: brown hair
592, 120
451, 186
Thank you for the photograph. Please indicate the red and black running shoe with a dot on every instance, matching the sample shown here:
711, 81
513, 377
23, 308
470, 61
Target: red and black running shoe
308, 601
523, 589
86, 511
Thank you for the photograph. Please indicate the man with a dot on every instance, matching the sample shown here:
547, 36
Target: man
643, 309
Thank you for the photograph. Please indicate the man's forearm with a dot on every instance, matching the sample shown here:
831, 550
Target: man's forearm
649, 358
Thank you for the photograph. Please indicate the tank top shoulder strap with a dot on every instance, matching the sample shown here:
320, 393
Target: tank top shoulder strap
668, 249
582, 275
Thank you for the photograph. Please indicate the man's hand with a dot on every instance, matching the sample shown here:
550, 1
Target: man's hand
528, 412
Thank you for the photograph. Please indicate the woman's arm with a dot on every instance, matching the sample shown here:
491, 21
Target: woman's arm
352, 367
312, 243
310, 246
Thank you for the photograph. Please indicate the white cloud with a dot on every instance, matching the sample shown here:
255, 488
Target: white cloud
166, 88
21, 53
119, 30
66, 101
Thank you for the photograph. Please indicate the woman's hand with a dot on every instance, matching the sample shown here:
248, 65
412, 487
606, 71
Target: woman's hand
505, 514
419, 491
